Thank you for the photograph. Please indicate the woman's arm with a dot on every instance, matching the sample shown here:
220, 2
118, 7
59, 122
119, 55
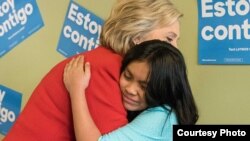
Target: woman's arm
76, 79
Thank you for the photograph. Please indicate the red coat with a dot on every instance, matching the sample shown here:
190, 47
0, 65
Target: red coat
47, 115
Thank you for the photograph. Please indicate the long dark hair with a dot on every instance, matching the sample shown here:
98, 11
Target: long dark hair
167, 81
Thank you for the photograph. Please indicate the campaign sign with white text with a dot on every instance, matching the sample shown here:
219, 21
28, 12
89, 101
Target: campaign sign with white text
224, 32
10, 106
18, 20
80, 32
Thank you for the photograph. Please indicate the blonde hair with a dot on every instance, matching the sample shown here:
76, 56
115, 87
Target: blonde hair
134, 18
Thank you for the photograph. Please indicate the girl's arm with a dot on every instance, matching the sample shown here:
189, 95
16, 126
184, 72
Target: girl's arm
152, 125
76, 79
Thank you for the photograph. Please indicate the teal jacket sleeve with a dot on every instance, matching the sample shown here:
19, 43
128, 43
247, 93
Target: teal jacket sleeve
153, 124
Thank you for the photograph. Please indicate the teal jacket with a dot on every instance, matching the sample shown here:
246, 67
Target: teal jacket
154, 124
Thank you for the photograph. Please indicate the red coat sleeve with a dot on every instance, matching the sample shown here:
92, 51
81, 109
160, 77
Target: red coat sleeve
47, 115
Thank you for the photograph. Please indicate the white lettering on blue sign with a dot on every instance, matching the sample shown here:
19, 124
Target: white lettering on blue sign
81, 31
78, 38
220, 9
2, 94
83, 20
10, 104
15, 17
5, 7
5, 114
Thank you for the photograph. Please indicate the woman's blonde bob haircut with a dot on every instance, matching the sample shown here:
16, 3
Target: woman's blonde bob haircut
130, 19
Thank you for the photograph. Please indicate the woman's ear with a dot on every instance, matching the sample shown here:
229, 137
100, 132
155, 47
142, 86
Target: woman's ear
136, 40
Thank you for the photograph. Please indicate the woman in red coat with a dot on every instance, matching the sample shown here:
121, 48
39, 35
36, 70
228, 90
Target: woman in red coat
48, 117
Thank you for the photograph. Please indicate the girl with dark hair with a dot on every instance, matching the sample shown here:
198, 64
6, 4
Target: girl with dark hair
155, 92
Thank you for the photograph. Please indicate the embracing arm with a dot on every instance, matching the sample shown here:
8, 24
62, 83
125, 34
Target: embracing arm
154, 124
76, 80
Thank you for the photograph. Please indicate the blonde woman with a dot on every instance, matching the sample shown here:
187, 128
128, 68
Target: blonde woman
48, 116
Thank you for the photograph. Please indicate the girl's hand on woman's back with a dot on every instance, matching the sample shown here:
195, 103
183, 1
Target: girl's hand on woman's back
76, 75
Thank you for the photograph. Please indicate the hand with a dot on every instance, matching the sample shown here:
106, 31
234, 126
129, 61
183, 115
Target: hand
76, 75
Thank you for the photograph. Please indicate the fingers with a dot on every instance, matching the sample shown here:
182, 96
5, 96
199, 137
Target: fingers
87, 68
76, 73
74, 62
77, 62
70, 64
80, 60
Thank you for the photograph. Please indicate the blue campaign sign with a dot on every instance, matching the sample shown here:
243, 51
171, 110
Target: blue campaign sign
224, 32
10, 106
18, 20
80, 32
